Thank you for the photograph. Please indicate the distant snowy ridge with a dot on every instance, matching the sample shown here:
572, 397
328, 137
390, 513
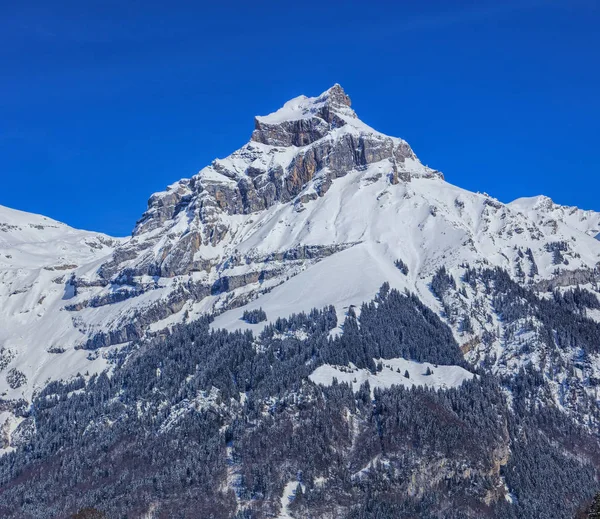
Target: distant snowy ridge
545, 212
38, 258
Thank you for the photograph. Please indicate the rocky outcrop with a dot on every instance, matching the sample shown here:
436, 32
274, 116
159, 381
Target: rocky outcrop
307, 252
568, 278
106, 299
229, 283
134, 328
163, 206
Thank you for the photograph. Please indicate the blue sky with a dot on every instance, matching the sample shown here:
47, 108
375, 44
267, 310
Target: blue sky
104, 103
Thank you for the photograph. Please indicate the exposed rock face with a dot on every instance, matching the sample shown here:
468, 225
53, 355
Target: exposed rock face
569, 278
319, 119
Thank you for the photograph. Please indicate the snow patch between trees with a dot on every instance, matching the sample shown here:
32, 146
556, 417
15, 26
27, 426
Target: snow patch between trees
393, 373
289, 493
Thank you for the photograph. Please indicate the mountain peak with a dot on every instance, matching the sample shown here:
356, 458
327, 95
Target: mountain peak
336, 96
304, 119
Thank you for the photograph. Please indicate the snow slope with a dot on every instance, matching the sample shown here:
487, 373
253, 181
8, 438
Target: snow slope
427, 223
37, 257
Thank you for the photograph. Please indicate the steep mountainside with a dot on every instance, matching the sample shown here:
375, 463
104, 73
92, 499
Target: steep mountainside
498, 335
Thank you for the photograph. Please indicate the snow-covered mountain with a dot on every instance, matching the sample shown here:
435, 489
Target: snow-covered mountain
314, 210
471, 390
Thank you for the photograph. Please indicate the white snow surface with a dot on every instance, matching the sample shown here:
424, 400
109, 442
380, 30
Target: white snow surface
393, 374
287, 497
427, 223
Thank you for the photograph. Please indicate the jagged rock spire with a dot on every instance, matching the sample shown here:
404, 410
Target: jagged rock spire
337, 96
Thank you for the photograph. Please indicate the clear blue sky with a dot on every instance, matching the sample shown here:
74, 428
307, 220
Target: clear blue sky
104, 103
